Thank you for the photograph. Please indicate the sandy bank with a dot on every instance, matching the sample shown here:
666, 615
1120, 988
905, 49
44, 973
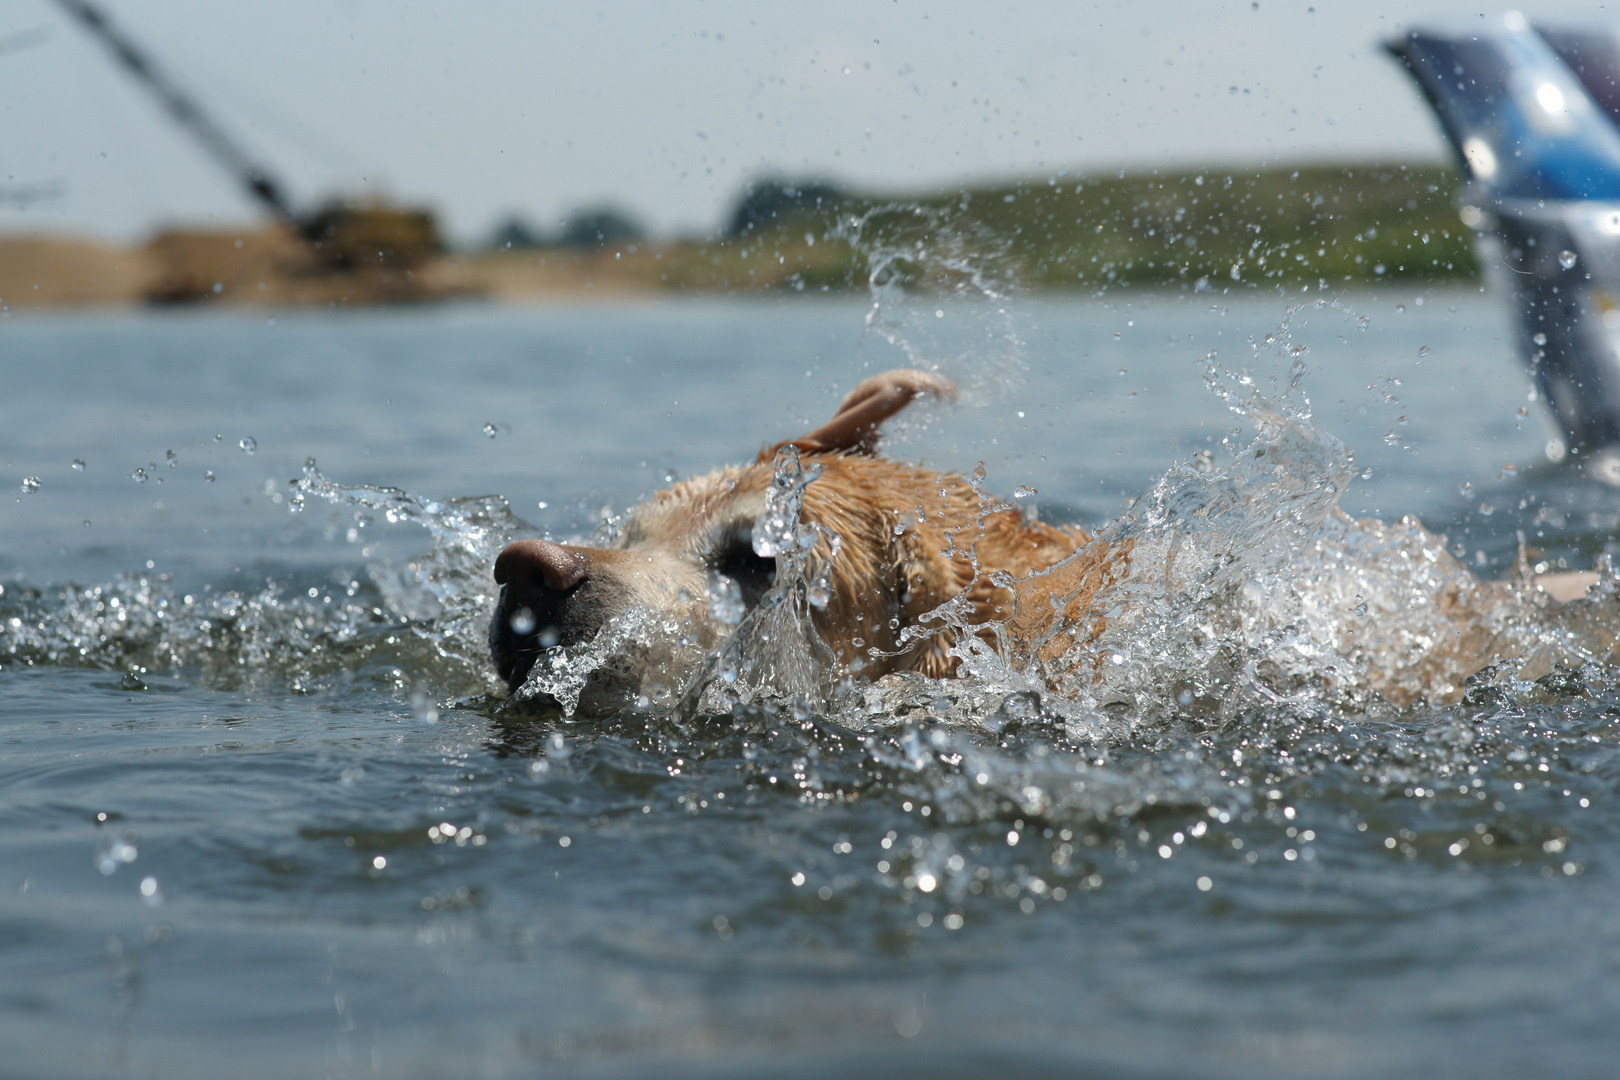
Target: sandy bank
271, 268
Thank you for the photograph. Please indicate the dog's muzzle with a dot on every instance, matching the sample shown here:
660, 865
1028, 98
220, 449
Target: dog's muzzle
545, 601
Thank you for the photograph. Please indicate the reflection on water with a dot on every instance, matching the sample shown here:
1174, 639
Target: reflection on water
266, 802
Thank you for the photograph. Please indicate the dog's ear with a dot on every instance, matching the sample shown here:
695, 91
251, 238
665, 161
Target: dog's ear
854, 428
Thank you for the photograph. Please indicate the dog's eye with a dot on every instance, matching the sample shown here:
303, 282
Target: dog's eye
753, 573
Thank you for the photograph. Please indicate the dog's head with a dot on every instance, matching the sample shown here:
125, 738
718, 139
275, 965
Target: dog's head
905, 537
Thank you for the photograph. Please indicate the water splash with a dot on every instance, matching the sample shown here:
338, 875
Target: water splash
279, 634
1250, 593
396, 624
726, 603
1248, 590
931, 271
449, 592
776, 532
636, 658
775, 657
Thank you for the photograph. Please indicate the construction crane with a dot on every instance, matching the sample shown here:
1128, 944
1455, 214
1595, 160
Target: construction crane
346, 236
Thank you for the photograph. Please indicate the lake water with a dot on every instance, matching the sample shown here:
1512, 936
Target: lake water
264, 810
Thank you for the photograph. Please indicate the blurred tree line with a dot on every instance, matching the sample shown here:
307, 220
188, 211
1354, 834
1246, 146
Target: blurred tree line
1322, 225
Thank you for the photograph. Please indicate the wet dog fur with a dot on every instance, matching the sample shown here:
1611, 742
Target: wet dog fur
910, 539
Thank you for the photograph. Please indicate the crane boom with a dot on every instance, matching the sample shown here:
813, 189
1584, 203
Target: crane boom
253, 176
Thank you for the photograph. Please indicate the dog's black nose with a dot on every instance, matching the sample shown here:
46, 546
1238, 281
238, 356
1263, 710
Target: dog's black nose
539, 565
536, 578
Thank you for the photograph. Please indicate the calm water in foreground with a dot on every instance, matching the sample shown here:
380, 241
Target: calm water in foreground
263, 811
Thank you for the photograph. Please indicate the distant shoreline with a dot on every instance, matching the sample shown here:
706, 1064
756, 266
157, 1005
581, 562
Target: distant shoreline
1321, 225
44, 272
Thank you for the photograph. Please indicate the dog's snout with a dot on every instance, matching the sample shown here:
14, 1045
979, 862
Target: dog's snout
530, 565
540, 586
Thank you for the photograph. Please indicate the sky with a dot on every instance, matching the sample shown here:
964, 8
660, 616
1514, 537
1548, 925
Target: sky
487, 108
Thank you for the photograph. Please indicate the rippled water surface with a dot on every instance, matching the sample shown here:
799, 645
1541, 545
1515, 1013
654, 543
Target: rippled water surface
265, 809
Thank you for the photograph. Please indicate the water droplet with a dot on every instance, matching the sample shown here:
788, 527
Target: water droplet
1486, 509
725, 600
1567, 259
1423, 351
208, 475
248, 443
30, 485
423, 706
522, 622
776, 531
119, 852
78, 464
171, 457
1360, 607
139, 476
1466, 490
1539, 338
491, 430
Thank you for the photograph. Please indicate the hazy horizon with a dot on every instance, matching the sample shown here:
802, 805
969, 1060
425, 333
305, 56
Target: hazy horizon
666, 111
